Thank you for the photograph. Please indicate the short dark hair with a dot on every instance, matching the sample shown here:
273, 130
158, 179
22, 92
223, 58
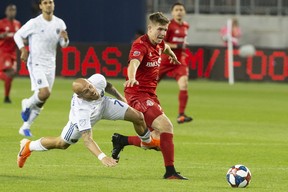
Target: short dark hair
177, 4
158, 17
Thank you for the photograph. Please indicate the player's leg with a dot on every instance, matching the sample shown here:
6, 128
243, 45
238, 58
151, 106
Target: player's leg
7, 72
183, 99
120, 141
42, 84
70, 135
165, 127
180, 73
117, 110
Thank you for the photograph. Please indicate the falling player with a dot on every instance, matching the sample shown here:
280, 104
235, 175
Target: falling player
88, 106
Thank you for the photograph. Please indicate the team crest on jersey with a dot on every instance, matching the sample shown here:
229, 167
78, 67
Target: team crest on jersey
177, 31
136, 53
82, 122
57, 30
149, 103
39, 81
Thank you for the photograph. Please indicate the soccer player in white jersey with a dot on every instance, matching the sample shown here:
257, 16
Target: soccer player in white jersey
43, 33
89, 105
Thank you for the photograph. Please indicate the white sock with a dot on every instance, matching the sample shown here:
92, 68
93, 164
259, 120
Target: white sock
34, 100
146, 138
26, 125
37, 146
35, 111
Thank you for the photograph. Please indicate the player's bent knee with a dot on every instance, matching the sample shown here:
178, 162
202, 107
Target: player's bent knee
44, 94
134, 116
62, 144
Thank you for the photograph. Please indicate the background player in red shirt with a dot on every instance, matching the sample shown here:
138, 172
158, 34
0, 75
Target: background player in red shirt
140, 87
176, 39
8, 65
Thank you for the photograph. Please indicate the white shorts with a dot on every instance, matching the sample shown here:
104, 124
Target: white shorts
41, 76
111, 109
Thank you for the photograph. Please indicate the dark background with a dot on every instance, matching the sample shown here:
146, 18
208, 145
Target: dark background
91, 20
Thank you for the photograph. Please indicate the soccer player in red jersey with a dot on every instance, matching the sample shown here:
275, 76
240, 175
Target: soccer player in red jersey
176, 39
8, 65
141, 83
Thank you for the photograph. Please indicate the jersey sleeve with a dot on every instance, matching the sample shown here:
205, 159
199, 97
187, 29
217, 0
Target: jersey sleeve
23, 33
27, 29
83, 119
138, 51
81, 114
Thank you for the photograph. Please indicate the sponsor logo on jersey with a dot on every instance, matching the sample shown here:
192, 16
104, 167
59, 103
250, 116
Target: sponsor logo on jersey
57, 30
149, 103
136, 53
154, 63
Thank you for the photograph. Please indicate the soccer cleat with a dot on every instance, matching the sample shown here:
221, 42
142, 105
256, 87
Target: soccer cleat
7, 100
154, 144
24, 152
182, 118
25, 130
25, 113
175, 176
117, 145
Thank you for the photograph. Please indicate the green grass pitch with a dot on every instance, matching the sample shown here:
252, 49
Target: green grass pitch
246, 123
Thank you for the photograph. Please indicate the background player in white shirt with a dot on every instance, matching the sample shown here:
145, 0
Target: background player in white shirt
89, 105
43, 33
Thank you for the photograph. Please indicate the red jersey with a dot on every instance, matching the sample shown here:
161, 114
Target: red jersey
176, 34
7, 45
147, 73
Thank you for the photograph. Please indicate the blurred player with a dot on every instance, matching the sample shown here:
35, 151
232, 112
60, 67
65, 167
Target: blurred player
176, 39
141, 82
88, 106
236, 33
44, 33
8, 65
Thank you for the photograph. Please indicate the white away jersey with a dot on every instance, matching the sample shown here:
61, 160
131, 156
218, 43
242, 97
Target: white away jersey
86, 113
43, 37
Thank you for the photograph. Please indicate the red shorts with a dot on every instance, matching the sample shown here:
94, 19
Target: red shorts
173, 70
146, 103
7, 61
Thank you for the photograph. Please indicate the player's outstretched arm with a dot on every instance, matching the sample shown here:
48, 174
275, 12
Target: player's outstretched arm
131, 72
173, 58
113, 91
95, 150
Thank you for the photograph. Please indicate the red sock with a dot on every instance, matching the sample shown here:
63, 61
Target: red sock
167, 148
134, 140
183, 98
7, 82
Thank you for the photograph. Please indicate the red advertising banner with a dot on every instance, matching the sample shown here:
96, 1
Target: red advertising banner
82, 60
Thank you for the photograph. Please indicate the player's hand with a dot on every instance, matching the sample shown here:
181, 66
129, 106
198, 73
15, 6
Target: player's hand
173, 59
24, 54
109, 161
131, 83
64, 35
